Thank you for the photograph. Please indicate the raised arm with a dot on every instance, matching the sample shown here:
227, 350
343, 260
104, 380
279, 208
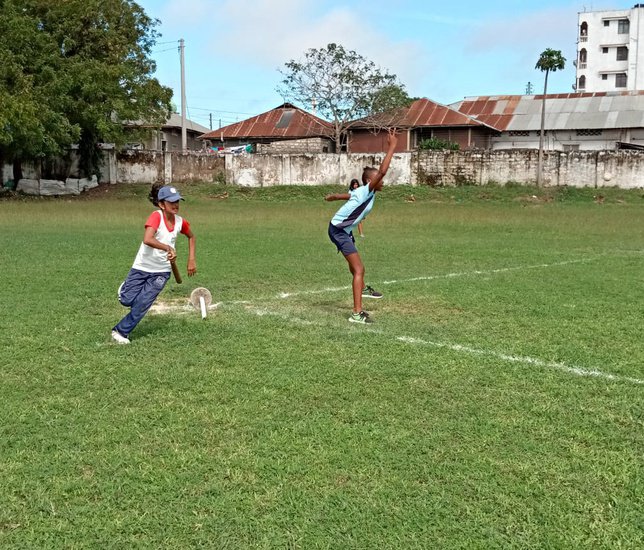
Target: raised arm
392, 141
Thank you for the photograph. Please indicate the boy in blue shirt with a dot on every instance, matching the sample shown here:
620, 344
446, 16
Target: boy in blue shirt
359, 204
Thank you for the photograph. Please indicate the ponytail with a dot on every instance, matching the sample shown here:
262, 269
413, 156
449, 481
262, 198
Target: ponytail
154, 193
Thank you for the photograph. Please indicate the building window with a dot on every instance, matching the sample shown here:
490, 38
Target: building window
622, 53
620, 80
606, 23
522, 133
604, 77
589, 132
582, 83
623, 26
571, 147
604, 50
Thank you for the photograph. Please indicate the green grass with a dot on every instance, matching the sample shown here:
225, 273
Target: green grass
277, 424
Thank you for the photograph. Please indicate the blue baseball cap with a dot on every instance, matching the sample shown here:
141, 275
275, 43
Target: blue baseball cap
170, 194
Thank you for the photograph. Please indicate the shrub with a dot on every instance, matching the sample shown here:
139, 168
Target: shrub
438, 144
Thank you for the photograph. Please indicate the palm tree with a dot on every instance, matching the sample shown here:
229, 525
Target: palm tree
549, 60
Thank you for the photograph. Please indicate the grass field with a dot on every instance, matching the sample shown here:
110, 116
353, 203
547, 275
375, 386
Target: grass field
496, 402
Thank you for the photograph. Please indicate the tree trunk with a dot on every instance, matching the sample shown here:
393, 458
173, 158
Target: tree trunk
541, 133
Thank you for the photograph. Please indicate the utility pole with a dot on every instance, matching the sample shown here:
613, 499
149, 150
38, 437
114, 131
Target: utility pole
529, 88
184, 133
211, 121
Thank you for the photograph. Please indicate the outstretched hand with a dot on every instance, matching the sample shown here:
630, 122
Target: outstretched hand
392, 138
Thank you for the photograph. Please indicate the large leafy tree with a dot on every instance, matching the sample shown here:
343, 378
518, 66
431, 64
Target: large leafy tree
549, 61
343, 85
73, 71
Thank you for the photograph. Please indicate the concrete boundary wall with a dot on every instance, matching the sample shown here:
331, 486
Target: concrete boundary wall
158, 167
623, 169
310, 169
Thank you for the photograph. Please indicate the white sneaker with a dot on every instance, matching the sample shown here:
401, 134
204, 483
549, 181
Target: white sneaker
119, 338
118, 292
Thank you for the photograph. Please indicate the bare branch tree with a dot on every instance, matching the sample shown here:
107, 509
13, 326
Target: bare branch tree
343, 86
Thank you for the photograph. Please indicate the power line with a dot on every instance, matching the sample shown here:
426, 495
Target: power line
220, 111
161, 51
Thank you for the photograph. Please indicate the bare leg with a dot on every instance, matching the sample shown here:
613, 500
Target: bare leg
357, 270
360, 229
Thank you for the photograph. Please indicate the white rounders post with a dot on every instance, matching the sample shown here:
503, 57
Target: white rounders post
201, 298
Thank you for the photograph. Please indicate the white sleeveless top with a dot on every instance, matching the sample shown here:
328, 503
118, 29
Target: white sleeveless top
153, 260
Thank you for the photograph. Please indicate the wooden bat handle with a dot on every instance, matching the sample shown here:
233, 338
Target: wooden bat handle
175, 272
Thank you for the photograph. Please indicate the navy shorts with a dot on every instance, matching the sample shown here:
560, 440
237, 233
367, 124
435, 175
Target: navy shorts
342, 240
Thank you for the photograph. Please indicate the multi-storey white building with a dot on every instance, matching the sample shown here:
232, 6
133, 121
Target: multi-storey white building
610, 50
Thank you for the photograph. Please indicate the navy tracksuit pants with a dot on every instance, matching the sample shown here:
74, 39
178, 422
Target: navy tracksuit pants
139, 291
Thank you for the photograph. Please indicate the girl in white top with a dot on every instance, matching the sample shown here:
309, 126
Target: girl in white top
152, 265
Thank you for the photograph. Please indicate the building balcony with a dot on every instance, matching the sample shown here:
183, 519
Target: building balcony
582, 65
583, 38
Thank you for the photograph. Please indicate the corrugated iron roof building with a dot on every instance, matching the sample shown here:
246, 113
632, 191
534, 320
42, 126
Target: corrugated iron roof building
423, 119
601, 120
286, 122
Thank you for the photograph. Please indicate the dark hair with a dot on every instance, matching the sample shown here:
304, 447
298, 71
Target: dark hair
367, 173
154, 193
355, 182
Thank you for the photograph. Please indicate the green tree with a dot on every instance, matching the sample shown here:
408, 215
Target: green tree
32, 123
343, 85
549, 61
72, 72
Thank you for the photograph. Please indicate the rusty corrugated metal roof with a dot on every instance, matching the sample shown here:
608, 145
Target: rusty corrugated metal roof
286, 121
598, 110
422, 112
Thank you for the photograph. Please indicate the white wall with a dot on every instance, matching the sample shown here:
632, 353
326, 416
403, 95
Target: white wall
624, 169
310, 169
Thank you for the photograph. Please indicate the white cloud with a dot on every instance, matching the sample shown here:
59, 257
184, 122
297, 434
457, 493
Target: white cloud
552, 28
271, 32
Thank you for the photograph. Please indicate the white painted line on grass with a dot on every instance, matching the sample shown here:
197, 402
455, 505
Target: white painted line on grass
525, 360
486, 272
263, 312
579, 371
477, 272
319, 291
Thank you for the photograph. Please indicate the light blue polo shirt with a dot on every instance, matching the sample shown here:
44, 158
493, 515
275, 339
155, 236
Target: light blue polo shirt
355, 209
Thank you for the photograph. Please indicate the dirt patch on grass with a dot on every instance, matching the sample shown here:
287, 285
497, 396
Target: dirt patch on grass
171, 306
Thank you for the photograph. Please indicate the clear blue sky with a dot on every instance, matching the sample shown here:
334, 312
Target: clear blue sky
440, 50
